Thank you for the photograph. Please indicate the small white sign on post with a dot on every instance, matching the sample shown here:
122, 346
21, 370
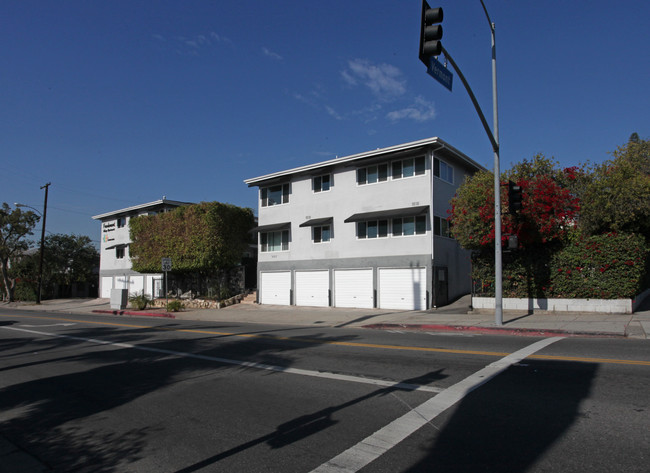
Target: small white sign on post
166, 264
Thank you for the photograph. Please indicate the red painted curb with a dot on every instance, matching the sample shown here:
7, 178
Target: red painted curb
137, 313
525, 332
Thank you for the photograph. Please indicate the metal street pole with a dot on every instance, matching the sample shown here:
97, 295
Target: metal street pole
498, 252
40, 266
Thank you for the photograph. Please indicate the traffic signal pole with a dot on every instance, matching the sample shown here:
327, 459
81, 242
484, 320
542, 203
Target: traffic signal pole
431, 46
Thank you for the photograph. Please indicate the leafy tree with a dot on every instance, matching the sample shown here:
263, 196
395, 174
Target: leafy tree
15, 225
618, 199
69, 259
199, 238
548, 207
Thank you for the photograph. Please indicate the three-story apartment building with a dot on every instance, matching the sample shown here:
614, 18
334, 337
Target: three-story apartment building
115, 267
366, 230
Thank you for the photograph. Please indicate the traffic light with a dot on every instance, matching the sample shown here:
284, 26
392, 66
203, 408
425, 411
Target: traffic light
514, 197
430, 32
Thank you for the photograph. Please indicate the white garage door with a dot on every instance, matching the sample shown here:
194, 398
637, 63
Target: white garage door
404, 289
353, 288
276, 288
312, 288
107, 285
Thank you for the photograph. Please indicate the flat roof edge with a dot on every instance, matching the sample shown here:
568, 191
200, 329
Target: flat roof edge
140, 207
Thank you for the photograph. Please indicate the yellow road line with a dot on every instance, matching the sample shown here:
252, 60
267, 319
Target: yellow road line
348, 344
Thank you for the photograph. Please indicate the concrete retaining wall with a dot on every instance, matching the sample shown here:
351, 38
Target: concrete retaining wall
609, 306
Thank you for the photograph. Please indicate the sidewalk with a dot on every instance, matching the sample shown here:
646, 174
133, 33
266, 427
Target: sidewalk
455, 317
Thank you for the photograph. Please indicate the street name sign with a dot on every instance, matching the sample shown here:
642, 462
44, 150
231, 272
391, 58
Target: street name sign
440, 73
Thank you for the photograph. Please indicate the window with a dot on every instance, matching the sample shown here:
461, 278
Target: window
322, 234
441, 227
121, 222
407, 226
372, 229
275, 241
443, 170
321, 183
275, 195
409, 167
372, 174
119, 252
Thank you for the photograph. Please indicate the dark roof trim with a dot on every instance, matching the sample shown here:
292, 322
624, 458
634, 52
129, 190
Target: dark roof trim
316, 221
271, 227
405, 212
118, 245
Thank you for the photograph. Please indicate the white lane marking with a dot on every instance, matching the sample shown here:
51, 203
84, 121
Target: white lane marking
247, 364
48, 325
372, 447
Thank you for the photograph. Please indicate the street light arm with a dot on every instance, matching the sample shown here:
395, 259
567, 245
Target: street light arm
16, 204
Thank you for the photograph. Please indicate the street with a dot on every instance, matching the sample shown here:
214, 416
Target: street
95, 393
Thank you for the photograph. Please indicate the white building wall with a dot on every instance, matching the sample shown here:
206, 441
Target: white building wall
344, 199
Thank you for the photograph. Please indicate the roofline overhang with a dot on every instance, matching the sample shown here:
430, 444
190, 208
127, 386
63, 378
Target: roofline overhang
255, 181
128, 210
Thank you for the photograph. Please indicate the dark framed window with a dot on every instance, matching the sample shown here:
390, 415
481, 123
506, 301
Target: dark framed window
372, 229
275, 195
121, 222
443, 170
322, 183
372, 174
409, 167
274, 241
119, 252
441, 227
322, 234
407, 226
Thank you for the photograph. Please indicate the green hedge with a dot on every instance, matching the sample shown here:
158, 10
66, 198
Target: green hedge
198, 238
609, 266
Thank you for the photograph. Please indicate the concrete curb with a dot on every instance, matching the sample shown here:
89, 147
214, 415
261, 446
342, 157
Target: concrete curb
137, 313
524, 332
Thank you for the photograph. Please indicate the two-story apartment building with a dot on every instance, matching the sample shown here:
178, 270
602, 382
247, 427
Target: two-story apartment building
115, 268
366, 230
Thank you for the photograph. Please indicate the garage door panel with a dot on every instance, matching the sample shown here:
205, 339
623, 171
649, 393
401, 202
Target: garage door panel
354, 288
402, 288
276, 288
312, 288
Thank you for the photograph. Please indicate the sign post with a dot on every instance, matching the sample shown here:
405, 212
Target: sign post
166, 266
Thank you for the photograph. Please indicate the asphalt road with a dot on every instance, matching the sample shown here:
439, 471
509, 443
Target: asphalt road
113, 394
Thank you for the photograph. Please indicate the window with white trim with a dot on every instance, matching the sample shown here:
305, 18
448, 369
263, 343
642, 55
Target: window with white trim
407, 226
372, 174
321, 183
275, 195
372, 229
443, 170
119, 252
274, 241
121, 222
321, 233
441, 227
409, 167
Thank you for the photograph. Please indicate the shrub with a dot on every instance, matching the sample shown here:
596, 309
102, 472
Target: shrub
174, 306
609, 266
139, 301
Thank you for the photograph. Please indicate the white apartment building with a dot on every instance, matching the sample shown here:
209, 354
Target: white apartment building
115, 268
368, 230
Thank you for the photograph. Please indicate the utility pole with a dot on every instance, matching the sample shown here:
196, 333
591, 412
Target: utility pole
40, 265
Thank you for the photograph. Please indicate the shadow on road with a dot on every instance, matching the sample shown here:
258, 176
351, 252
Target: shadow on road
51, 417
508, 424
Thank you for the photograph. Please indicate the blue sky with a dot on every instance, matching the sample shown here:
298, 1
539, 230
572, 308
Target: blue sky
123, 102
